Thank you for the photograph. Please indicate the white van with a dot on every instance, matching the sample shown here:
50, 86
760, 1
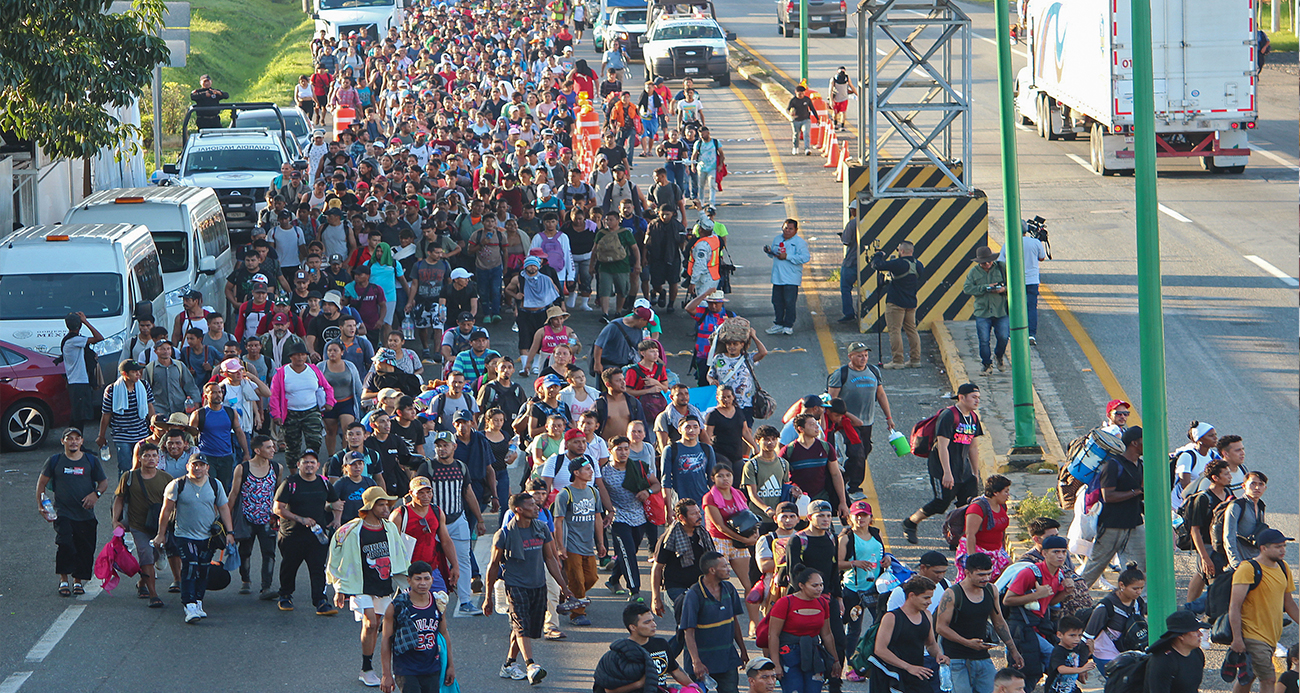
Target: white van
103, 270
189, 230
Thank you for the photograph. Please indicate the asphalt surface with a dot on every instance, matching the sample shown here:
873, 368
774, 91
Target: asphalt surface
1231, 330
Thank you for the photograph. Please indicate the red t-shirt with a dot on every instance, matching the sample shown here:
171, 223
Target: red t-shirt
1025, 582
726, 507
636, 379
802, 617
989, 540
320, 83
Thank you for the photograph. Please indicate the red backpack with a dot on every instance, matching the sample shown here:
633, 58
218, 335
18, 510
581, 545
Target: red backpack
922, 438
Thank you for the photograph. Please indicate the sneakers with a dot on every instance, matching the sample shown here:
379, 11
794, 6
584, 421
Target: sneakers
326, 609
614, 588
268, 595
913, 364
198, 609
246, 588
191, 614
807, 151
535, 674
1033, 341
476, 585
847, 319
775, 329
787, 330
987, 369
468, 609
512, 670
581, 621
286, 604
1002, 364
369, 678
909, 531
857, 496
794, 151
894, 365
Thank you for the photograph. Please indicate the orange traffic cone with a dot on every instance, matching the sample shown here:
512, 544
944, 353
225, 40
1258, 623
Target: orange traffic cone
826, 142
817, 134
832, 152
843, 167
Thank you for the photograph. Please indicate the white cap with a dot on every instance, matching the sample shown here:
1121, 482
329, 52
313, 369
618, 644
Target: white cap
460, 273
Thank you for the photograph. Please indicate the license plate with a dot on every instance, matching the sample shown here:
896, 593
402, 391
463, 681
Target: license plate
692, 70
236, 215
824, 19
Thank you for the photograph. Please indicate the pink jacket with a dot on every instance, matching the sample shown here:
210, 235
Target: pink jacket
115, 557
280, 402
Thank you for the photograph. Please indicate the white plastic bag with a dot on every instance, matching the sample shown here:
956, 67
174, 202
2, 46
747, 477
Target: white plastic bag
1083, 530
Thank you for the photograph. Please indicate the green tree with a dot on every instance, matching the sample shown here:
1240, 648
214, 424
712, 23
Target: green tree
63, 61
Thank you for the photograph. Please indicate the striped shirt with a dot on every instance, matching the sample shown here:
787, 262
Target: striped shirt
808, 466
127, 427
448, 486
714, 624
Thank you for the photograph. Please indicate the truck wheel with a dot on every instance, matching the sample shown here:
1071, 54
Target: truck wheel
1020, 118
787, 30
1041, 108
1098, 150
1049, 130
724, 79
780, 27
840, 30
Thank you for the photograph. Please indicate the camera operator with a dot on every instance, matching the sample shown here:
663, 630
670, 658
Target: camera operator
1034, 241
900, 302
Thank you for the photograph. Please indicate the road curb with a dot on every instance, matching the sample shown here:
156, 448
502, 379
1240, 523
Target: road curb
744, 63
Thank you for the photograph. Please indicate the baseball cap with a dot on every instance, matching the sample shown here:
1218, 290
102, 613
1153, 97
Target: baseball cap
810, 401
418, 483
643, 313
1131, 434
860, 508
460, 273
130, 365
573, 434
354, 457
336, 259
443, 435
478, 333
967, 388
334, 297
575, 465
232, 366
757, 664
193, 294
463, 415
1115, 404
465, 316
260, 278
934, 559
71, 431
855, 347
818, 506
280, 319
1271, 536
300, 275
1055, 541
554, 381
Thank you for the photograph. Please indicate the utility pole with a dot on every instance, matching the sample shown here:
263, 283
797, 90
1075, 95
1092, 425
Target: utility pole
1151, 326
1022, 383
803, 41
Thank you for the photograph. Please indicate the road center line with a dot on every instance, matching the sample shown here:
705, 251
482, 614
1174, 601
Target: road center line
1268, 267
55, 633
14, 681
1079, 160
1165, 210
1270, 155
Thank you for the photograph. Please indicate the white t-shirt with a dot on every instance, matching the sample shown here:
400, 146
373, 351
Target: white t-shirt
242, 397
1034, 253
300, 389
74, 360
598, 449
576, 408
896, 599
562, 476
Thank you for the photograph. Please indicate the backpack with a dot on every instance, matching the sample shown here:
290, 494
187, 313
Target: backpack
1173, 466
1183, 532
954, 523
864, 655
843, 373
1218, 517
1127, 673
1133, 633
922, 437
609, 248
1219, 595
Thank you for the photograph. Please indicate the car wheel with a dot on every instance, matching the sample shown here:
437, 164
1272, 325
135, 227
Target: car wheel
840, 30
724, 79
26, 424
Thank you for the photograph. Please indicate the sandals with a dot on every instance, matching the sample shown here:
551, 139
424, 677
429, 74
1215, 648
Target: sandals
64, 590
78, 589
556, 634
156, 603
141, 591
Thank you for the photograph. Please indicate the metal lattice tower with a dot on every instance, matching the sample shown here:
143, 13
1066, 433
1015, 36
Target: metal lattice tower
914, 66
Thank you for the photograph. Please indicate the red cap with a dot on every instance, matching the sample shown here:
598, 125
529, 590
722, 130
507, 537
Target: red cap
574, 434
1110, 406
860, 508
362, 185
280, 319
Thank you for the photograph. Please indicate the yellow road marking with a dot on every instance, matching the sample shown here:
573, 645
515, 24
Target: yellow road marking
763, 59
1090, 350
830, 352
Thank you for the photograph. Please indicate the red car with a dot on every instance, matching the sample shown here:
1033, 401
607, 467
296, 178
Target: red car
34, 396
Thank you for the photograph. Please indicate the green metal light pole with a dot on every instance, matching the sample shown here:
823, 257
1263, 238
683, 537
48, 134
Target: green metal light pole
1022, 383
1151, 326
803, 41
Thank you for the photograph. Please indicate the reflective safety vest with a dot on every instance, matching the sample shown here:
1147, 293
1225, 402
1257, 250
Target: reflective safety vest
714, 249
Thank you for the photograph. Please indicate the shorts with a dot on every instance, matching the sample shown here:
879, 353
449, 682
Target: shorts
145, 552
1261, 659
665, 273
429, 316
729, 549
390, 307
308, 107
340, 408
323, 101
579, 25
841, 106
650, 127
527, 610
361, 602
608, 284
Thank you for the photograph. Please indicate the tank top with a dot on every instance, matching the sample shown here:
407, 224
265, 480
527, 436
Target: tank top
256, 495
215, 436
188, 323
425, 531
340, 381
550, 339
315, 202
969, 620
908, 639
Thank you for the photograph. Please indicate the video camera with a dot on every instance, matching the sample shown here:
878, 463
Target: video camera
1037, 227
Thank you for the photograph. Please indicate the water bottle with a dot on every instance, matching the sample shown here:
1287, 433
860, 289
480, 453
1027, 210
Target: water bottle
1178, 521
189, 404
47, 508
408, 328
945, 677
320, 534
709, 684
514, 450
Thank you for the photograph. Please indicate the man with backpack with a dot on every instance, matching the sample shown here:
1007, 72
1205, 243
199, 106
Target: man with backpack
192, 529
1242, 521
1261, 592
962, 624
858, 384
1029, 594
616, 258
954, 461
687, 464
76, 480
1119, 525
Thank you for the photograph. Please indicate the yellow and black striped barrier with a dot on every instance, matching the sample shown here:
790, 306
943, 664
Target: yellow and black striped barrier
923, 178
945, 230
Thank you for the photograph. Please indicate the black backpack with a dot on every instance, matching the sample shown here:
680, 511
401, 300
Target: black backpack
1127, 673
1133, 633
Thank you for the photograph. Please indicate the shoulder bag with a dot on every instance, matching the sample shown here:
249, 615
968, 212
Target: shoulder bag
763, 403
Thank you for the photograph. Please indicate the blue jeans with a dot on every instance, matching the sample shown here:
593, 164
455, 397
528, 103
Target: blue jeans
489, 287
1031, 306
1001, 328
125, 453
799, 129
972, 675
677, 174
785, 301
196, 557
796, 680
629, 139
1044, 650
848, 282
504, 492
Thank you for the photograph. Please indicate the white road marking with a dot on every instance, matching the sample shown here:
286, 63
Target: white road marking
1079, 160
1270, 155
994, 42
1268, 267
1165, 210
14, 681
57, 630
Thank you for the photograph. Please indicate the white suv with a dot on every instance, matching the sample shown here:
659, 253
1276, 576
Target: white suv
681, 45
